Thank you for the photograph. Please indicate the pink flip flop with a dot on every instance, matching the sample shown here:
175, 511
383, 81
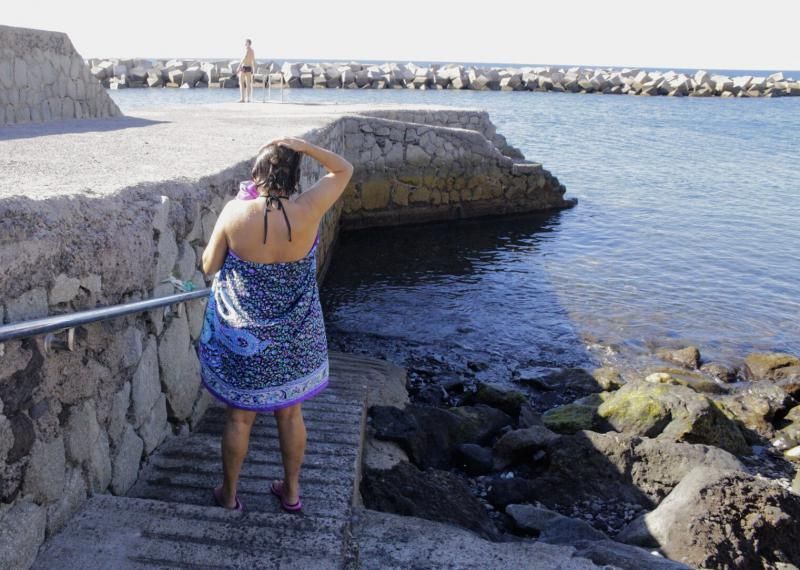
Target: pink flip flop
218, 499
277, 489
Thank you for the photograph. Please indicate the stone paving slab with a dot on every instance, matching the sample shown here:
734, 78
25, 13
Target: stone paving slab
98, 157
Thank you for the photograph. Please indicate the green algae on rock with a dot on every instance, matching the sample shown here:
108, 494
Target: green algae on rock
671, 412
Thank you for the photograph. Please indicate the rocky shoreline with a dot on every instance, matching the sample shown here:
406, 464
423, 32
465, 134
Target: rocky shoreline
122, 73
694, 462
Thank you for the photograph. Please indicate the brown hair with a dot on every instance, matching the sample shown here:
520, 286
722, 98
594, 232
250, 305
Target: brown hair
277, 170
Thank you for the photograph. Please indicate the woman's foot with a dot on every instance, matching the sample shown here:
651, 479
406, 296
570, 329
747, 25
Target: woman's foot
290, 502
227, 503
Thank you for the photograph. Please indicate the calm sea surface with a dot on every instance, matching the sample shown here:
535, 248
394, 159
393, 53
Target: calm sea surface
687, 231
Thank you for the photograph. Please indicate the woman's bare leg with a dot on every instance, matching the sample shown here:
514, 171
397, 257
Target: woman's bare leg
235, 440
292, 434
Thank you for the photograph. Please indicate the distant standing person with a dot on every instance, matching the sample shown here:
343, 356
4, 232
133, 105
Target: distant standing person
246, 68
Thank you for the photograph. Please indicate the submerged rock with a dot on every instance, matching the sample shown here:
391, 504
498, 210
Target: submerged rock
433, 494
723, 519
688, 357
608, 378
574, 379
771, 366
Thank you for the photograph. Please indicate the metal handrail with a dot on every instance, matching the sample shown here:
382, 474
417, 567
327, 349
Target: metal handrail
56, 323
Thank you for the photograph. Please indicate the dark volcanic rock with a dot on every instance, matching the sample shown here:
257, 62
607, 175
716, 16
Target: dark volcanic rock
550, 526
504, 492
434, 495
519, 445
509, 401
475, 459
723, 519
431, 435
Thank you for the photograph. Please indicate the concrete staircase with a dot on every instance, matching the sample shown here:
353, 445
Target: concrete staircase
168, 519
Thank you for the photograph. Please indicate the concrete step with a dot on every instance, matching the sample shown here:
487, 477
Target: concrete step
168, 519
123, 532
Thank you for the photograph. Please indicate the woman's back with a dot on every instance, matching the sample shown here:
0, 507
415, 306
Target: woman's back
244, 229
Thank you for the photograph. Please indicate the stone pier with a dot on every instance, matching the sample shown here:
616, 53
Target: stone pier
99, 212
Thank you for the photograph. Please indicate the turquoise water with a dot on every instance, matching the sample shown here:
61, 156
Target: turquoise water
687, 231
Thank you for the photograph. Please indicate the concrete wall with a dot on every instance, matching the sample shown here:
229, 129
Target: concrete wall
75, 423
43, 78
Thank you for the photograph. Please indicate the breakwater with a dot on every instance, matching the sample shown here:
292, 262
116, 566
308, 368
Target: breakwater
120, 74
43, 78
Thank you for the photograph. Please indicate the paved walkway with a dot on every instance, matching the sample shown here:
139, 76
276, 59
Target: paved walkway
98, 157
168, 519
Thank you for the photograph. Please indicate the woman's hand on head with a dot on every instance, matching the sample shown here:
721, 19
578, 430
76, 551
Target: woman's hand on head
294, 143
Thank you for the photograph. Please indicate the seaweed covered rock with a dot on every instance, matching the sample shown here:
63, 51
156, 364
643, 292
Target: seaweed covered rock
571, 418
723, 519
671, 412
638, 409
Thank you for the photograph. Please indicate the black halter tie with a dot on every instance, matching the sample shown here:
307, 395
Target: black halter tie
275, 202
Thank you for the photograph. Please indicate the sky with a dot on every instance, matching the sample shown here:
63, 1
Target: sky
709, 34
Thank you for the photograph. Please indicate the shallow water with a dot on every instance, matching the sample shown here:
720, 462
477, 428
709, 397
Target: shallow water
686, 232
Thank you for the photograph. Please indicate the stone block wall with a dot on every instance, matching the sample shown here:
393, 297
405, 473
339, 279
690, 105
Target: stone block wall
441, 166
43, 78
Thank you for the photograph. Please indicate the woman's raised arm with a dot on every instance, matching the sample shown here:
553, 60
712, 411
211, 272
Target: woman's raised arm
327, 190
